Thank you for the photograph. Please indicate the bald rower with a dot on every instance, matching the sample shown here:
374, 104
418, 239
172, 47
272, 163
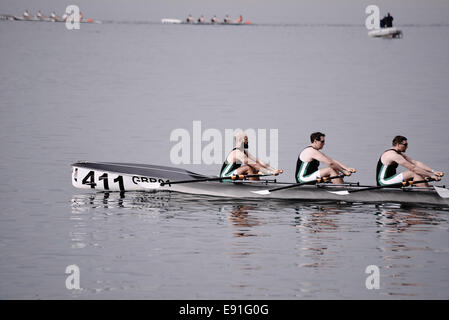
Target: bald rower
240, 161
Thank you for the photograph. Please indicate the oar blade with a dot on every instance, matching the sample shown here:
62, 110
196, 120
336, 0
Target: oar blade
262, 192
442, 192
340, 193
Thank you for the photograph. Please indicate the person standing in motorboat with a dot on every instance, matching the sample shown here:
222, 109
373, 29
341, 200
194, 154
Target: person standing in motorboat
387, 21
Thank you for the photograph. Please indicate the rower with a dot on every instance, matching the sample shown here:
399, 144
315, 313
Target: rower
27, 15
227, 19
214, 19
240, 161
309, 160
391, 158
54, 16
201, 19
240, 19
40, 15
190, 19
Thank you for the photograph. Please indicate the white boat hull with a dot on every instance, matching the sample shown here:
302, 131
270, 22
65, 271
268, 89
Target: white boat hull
45, 19
386, 33
134, 177
171, 21
178, 21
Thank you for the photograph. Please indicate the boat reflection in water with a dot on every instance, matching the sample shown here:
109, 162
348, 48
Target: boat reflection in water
171, 244
243, 221
403, 236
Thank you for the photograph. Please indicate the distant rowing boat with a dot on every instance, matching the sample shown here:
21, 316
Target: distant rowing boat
46, 19
108, 176
386, 33
178, 21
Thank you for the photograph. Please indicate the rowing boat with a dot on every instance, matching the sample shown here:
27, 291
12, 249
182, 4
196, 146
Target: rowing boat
386, 33
44, 19
109, 176
178, 21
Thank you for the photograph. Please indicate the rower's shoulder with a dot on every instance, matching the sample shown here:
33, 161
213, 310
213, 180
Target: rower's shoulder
236, 152
306, 149
308, 153
310, 150
391, 153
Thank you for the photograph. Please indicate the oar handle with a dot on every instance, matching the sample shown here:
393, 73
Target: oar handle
411, 182
402, 184
326, 179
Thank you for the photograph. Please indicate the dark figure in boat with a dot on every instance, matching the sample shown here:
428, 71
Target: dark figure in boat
387, 21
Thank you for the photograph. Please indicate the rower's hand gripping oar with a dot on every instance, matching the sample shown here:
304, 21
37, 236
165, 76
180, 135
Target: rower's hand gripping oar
155, 185
319, 180
402, 184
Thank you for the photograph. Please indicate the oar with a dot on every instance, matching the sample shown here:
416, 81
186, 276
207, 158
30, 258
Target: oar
155, 185
442, 192
403, 184
319, 180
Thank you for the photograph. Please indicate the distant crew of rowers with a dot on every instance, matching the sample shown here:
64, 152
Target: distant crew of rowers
53, 16
227, 19
240, 162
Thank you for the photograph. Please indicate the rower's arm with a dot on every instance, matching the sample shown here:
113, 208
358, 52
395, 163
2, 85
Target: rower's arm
262, 166
417, 163
345, 167
411, 165
422, 165
331, 163
257, 161
252, 158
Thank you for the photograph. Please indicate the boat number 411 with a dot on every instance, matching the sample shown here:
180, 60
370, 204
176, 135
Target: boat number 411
89, 179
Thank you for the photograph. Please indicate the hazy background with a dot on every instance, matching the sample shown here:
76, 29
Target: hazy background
115, 91
257, 11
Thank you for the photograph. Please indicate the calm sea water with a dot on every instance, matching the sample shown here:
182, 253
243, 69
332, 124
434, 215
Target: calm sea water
115, 92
